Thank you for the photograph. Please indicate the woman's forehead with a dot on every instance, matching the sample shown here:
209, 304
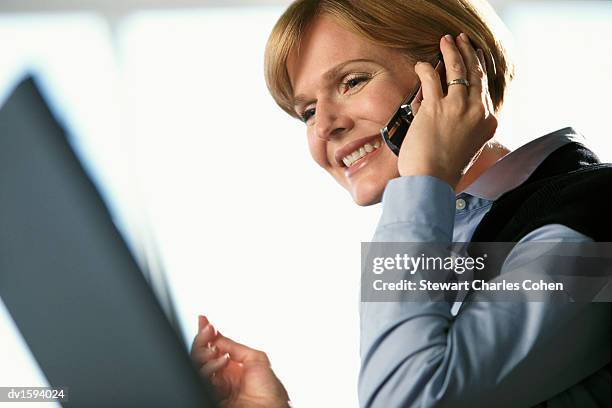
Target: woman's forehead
327, 44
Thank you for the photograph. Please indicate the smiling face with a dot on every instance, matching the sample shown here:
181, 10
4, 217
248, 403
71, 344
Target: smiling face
345, 89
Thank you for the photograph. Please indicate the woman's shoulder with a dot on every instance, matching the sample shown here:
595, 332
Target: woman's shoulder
570, 187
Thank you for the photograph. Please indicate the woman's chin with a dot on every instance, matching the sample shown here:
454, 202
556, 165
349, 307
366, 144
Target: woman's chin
367, 192
367, 186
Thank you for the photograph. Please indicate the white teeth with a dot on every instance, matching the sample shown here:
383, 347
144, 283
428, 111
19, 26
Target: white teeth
359, 153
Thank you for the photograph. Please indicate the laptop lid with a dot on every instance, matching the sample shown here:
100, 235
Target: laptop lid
69, 281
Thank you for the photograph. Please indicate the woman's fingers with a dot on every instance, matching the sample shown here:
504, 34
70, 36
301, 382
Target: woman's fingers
202, 322
201, 350
239, 352
475, 72
431, 88
416, 102
214, 365
205, 336
204, 354
418, 98
455, 66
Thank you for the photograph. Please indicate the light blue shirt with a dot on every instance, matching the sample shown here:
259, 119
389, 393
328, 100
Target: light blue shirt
485, 354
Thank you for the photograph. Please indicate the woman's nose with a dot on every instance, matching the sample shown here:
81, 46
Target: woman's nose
331, 121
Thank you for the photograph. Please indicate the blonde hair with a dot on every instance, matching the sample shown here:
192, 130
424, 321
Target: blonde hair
412, 26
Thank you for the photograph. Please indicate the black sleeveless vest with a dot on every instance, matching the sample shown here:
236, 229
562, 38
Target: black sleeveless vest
570, 187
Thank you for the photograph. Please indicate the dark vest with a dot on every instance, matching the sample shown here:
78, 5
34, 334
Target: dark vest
570, 187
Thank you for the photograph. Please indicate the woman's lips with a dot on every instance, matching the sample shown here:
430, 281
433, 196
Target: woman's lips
362, 162
354, 146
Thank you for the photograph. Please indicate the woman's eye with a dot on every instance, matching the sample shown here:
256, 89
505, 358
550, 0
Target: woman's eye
354, 81
308, 113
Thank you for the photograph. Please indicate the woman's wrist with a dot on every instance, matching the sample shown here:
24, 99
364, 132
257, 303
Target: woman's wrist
451, 177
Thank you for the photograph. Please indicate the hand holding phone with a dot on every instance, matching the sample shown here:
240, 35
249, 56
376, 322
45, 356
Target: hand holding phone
454, 122
397, 127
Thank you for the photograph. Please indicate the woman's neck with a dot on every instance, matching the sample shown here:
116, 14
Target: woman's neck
489, 155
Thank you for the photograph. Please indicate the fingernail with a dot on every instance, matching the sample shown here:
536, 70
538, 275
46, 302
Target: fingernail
464, 37
226, 356
448, 38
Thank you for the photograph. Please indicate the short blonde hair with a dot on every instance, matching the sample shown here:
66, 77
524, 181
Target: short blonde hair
411, 26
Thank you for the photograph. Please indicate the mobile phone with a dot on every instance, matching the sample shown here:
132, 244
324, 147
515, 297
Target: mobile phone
397, 127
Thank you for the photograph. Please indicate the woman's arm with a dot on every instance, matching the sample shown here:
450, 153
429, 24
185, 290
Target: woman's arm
499, 354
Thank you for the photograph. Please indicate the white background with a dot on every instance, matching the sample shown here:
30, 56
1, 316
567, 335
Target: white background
170, 112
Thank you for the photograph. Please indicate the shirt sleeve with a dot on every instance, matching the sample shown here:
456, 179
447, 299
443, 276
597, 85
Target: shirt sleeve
514, 354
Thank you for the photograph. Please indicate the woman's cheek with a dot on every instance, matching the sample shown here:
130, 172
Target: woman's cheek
381, 97
380, 105
318, 151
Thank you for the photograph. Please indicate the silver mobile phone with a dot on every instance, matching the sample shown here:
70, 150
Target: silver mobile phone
397, 127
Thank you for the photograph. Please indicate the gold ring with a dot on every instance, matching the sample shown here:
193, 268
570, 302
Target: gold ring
459, 81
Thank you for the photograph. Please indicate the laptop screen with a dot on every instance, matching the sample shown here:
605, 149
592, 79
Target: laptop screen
69, 282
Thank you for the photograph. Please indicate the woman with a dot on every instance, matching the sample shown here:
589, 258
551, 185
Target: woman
342, 67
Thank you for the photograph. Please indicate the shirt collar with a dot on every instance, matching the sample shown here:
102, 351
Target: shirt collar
515, 168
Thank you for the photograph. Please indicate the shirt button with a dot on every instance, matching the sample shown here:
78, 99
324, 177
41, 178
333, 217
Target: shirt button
460, 204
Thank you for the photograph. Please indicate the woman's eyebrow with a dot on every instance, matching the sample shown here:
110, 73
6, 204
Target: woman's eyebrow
329, 75
333, 72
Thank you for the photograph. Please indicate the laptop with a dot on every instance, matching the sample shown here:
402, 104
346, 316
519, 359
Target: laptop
69, 281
